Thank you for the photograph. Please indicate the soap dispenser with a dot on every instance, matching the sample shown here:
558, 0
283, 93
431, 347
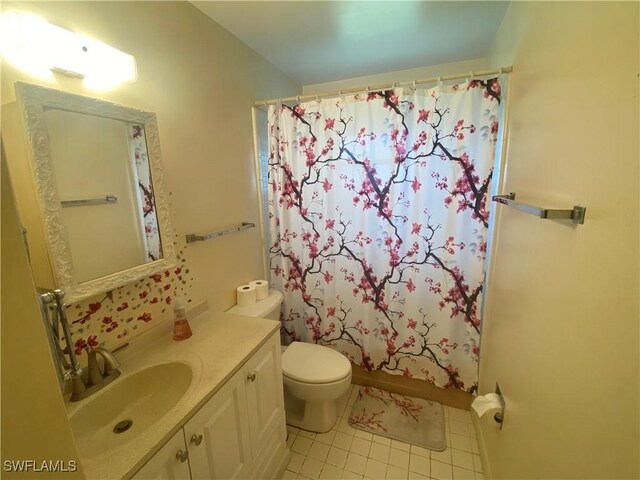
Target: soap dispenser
181, 328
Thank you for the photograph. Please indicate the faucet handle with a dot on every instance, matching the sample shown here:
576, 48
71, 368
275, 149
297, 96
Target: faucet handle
119, 348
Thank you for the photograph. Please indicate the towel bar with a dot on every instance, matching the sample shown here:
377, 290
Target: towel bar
90, 201
576, 215
192, 237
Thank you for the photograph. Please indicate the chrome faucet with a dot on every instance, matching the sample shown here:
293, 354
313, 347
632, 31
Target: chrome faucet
82, 385
96, 378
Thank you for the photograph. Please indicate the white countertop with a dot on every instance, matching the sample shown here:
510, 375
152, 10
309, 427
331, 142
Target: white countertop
220, 344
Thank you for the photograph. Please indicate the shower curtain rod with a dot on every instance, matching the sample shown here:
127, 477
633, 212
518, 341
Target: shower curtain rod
299, 98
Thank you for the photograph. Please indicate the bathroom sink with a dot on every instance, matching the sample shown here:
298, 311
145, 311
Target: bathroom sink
127, 407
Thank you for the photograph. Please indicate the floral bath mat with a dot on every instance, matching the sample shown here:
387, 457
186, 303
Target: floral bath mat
407, 419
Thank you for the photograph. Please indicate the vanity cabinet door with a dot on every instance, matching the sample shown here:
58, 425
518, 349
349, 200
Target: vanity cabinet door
218, 434
263, 378
169, 463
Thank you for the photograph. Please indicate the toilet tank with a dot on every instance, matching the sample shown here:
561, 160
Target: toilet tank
267, 308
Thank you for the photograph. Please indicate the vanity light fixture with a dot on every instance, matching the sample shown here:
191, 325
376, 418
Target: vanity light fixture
32, 44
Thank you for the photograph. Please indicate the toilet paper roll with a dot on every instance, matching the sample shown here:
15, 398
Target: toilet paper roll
245, 295
490, 403
262, 288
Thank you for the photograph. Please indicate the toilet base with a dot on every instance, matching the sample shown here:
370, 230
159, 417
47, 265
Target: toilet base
317, 417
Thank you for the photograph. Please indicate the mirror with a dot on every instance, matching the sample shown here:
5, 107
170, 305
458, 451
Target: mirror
98, 178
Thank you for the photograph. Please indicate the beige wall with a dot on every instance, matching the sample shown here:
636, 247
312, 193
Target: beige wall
201, 82
14, 143
33, 412
399, 76
561, 328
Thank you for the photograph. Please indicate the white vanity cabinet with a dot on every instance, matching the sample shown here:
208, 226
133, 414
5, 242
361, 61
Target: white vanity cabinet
265, 396
238, 433
218, 435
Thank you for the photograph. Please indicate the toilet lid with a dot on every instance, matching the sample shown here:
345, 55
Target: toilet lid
311, 363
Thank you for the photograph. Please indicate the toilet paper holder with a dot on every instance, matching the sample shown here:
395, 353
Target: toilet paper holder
499, 416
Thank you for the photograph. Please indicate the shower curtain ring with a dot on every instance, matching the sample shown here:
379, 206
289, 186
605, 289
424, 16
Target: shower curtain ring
298, 99
439, 81
414, 85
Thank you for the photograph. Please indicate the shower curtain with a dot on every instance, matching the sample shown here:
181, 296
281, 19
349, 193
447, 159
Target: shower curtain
378, 219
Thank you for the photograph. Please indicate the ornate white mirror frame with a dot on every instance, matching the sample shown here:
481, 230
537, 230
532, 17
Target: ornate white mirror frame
33, 101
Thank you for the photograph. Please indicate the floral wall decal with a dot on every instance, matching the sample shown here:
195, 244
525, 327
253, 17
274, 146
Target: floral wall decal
378, 219
111, 318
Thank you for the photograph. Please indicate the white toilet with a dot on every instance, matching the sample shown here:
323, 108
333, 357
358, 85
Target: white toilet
314, 376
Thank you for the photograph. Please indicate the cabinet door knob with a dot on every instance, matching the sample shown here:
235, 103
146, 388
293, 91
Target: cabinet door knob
182, 456
196, 439
252, 376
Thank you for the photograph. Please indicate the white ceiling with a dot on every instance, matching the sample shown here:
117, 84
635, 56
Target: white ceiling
322, 41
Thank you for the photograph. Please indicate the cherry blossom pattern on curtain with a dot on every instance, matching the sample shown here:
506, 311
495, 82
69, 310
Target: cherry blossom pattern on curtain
378, 216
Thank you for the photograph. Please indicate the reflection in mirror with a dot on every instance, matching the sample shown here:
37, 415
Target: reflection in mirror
95, 159
99, 183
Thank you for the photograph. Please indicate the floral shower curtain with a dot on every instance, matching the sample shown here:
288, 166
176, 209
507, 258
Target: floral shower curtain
378, 219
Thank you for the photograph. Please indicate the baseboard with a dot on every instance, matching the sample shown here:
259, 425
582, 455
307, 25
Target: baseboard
411, 387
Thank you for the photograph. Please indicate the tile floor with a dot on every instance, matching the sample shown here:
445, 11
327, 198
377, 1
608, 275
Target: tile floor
345, 452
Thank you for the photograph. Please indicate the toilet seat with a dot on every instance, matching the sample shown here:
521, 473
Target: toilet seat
315, 364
